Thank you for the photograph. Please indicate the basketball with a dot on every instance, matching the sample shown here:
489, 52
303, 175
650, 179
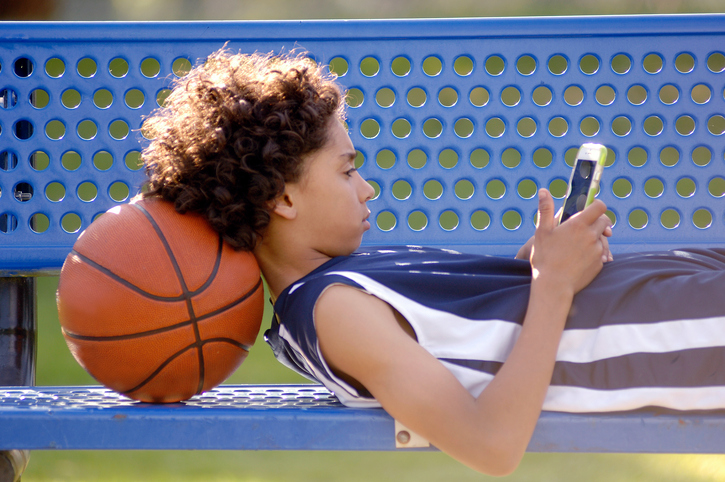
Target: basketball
155, 305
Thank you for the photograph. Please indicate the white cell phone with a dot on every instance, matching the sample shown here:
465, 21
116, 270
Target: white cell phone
584, 179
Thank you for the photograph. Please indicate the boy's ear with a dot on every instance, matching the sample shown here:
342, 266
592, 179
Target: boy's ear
284, 207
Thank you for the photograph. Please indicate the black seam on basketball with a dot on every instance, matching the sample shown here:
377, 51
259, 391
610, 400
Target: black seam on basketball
181, 352
184, 289
156, 331
160, 368
124, 282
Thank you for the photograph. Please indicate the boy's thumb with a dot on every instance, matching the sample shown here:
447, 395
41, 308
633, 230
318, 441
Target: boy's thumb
546, 209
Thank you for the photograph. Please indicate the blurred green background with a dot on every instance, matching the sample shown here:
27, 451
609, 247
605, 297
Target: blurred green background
57, 367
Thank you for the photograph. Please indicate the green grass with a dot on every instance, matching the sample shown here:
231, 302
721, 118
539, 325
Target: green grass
56, 366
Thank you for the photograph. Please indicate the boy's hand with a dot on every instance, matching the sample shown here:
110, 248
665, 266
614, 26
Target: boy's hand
525, 251
570, 254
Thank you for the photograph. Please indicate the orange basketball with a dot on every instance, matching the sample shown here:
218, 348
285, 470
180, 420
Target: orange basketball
155, 305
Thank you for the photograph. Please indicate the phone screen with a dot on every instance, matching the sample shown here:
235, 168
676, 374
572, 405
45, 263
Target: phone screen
580, 182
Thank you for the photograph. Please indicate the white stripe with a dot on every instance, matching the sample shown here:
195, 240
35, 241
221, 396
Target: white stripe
582, 400
345, 393
582, 346
444, 334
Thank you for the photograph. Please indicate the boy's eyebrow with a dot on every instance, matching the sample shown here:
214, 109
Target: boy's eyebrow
349, 156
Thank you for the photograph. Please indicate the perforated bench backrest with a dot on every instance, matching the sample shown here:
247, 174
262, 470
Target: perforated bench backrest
457, 121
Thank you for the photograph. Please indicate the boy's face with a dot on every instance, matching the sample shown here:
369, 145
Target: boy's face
330, 197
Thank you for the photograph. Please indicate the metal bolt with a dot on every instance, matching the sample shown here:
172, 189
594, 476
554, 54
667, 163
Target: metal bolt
403, 437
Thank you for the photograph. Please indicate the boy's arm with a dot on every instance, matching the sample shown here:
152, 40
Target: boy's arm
361, 339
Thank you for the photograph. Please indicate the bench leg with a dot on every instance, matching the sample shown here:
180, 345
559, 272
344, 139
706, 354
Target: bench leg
18, 328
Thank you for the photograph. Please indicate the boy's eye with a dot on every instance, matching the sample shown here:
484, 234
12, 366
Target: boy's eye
350, 172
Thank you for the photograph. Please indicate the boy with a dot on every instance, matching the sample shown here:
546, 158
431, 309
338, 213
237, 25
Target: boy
464, 350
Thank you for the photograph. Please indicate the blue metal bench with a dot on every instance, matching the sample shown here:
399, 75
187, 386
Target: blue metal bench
457, 123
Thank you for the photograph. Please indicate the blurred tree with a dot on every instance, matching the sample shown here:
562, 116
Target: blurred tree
27, 9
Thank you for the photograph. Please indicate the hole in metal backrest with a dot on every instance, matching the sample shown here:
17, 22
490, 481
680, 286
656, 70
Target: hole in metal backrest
463, 127
526, 65
558, 64
8, 160
385, 97
402, 189
71, 160
23, 129
448, 220
701, 156
605, 95
8, 98
55, 191
670, 219
716, 187
589, 64
71, 223
448, 97
181, 66
338, 66
150, 67
702, 218
432, 189
542, 96
39, 223
464, 189
448, 158
385, 159
400, 66
479, 96
432, 66
134, 98
716, 125
463, 65
55, 130
495, 65
102, 160
480, 158
87, 130
542, 157
621, 126
417, 159
685, 63
685, 187
369, 66
401, 128
39, 160
39, 98
54, 67
417, 220
369, 128
701, 94
621, 63
637, 95
416, 97
685, 125
510, 96
652, 63
654, 187
386, 221
669, 156
637, 156
480, 220
8, 223
23, 192
87, 67
638, 219
716, 62
133, 160
669, 94
573, 95
23, 67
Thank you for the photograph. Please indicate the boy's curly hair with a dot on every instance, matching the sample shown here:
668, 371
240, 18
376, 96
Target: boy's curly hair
233, 132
